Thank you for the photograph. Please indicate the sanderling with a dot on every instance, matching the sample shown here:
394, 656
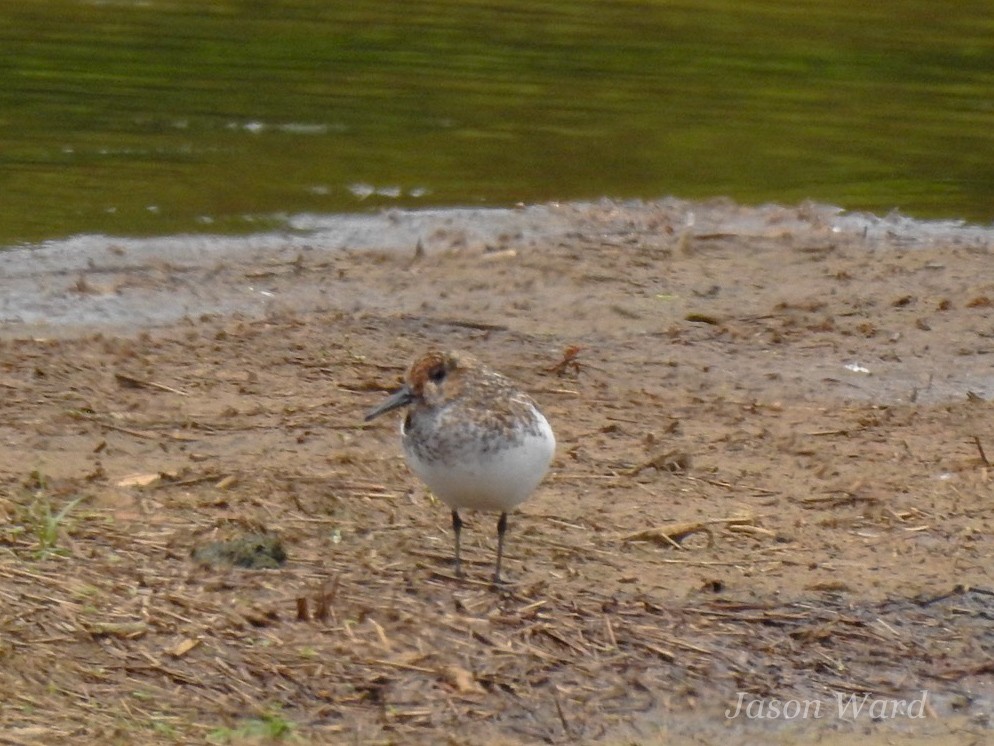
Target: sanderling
470, 435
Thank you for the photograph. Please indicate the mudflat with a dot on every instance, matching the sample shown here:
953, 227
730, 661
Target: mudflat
771, 500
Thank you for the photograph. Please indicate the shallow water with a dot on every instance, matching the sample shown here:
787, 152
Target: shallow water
146, 118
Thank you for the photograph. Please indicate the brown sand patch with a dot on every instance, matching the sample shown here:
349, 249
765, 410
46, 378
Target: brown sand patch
773, 478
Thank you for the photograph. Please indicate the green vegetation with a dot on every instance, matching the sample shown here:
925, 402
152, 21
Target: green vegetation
37, 519
270, 726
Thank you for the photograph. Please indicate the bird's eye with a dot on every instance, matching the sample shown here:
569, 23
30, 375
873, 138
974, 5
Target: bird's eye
437, 374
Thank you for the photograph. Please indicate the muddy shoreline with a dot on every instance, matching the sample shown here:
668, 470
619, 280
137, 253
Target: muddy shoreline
772, 479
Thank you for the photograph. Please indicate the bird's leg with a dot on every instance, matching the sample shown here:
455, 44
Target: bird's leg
456, 528
501, 530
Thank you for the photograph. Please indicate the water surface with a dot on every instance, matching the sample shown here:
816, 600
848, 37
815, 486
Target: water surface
146, 118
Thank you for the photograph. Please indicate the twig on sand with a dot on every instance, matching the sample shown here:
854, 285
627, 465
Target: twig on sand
980, 448
562, 715
137, 383
674, 533
116, 428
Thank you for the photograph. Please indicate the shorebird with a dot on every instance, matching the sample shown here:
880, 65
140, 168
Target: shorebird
475, 439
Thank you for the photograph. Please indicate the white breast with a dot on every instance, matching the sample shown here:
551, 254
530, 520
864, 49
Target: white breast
490, 479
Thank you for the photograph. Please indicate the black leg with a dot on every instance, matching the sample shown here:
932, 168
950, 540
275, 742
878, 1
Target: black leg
456, 528
501, 530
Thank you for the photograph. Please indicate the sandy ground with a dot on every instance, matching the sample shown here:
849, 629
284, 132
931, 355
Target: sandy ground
772, 483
